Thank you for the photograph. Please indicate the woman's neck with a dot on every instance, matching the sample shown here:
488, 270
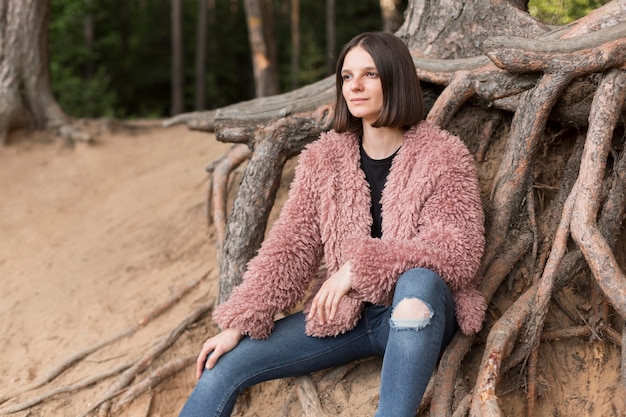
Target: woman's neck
382, 142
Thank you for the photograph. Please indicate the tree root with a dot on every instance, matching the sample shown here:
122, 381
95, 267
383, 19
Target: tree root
78, 356
71, 134
531, 395
484, 401
126, 369
609, 99
104, 403
203, 121
218, 190
335, 376
486, 134
308, 397
155, 377
63, 390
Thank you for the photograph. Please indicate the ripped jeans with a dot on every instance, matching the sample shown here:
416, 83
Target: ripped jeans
410, 337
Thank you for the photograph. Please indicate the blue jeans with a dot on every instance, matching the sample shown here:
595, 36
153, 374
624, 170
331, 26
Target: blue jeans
410, 350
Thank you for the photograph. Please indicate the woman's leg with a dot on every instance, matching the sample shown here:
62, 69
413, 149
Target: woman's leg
422, 323
288, 352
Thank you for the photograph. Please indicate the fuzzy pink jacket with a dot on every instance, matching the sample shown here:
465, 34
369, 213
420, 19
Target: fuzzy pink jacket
432, 217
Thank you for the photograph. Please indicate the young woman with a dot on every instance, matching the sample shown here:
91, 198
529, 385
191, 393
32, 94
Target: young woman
391, 204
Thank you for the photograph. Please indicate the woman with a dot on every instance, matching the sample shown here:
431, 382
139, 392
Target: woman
392, 205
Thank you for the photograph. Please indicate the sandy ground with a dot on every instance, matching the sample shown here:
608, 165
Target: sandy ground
93, 237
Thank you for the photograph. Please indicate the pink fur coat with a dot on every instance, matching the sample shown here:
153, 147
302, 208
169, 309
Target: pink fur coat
432, 217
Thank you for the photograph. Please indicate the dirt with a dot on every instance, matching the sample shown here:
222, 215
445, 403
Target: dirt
93, 237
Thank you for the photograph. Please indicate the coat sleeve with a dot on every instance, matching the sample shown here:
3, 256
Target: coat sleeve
278, 276
449, 239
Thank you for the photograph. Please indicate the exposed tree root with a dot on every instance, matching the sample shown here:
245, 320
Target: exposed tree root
608, 102
236, 156
128, 370
71, 134
78, 356
155, 377
311, 405
104, 403
203, 121
487, 134
531, 394
335, 376
63, 390
484, 402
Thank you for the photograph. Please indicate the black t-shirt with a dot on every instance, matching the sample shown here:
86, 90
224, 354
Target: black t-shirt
376, 171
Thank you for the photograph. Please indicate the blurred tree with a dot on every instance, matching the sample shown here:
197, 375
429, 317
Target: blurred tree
25, 95
331, 37
201, 48
392, 14
178, 76
263, 46
295, 42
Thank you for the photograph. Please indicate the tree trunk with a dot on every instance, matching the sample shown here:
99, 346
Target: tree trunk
262, 45
201, 47
89, 35
295, 43
331, 37
457, 29
392, 15
25, 95
178, 81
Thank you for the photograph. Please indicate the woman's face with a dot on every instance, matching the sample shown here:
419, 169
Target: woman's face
361, 87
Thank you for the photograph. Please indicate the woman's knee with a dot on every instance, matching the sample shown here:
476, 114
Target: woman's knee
411, 313
418, 294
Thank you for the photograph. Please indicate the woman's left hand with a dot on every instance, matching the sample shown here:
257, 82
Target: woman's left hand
326, 301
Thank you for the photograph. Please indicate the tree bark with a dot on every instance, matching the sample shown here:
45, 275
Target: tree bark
392, 15
295, 43
178, 81
331, 37
201, 47
441, 28
260, 33
26, 98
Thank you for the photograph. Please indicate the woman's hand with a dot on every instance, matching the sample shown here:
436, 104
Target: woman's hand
326, 301
215, 347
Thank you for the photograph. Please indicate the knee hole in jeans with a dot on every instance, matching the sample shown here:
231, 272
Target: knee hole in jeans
411, 314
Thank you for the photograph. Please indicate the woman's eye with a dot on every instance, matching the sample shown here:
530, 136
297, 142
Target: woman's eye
346, 76
372, 74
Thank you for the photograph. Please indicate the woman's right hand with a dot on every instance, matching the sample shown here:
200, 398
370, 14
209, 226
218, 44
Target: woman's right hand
215, 347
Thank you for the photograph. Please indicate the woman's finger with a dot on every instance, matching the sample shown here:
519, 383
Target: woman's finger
202, 358
333, 308
328, 306
320, 306
213, 357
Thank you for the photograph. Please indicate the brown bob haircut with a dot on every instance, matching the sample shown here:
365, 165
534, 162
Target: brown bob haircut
403, 105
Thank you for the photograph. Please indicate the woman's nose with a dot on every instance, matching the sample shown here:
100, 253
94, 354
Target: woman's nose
356, 85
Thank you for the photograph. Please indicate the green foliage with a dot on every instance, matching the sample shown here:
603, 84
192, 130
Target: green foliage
126, 72
561, 12
76, 94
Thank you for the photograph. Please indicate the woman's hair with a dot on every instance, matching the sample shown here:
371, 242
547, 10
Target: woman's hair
403, 105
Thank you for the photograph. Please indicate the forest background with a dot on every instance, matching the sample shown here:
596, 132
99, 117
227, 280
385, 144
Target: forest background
96, 235
113, 58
